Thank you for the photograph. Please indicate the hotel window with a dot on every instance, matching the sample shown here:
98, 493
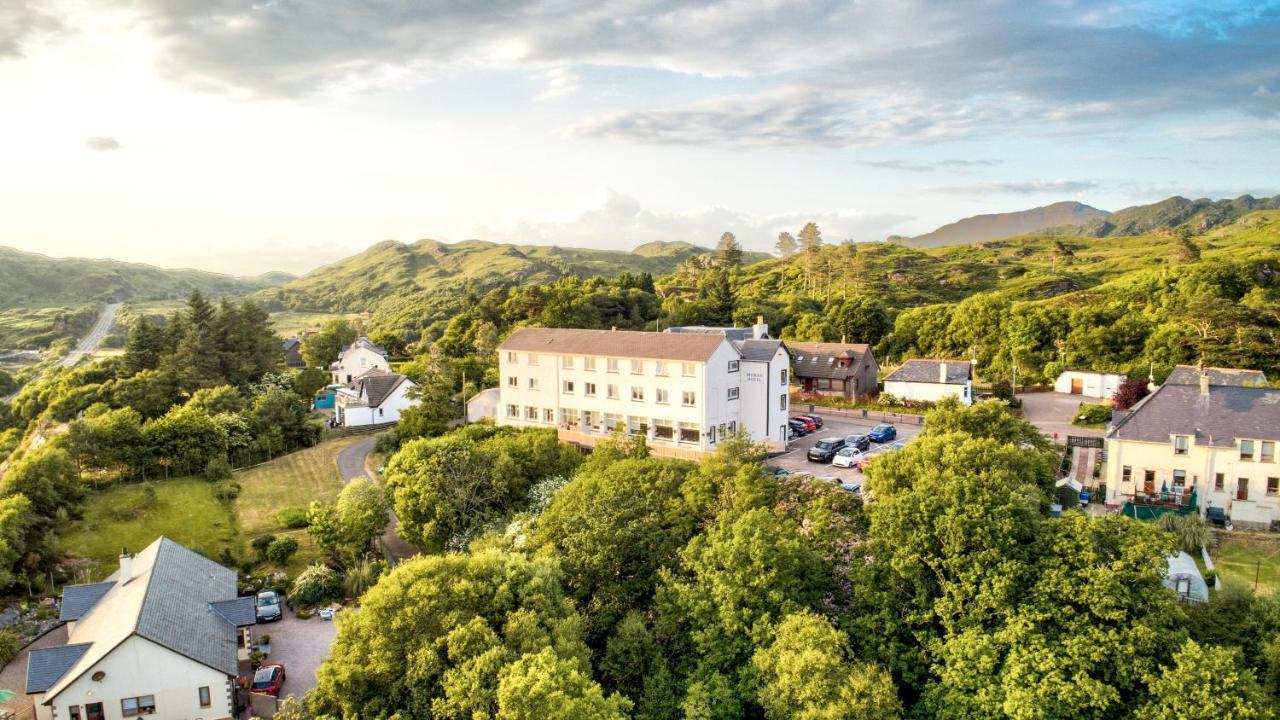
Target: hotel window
660, 368
733, 366
637, 393
688, 369
589, 389
1246, 450
1219, 482
690, 433
134, 706
566, 362
1268, 451
664, 430
533, 383
511, 357
205, 700
513, 411
782, 401
611, 365
612, 391
1126, 474
531, 413
568, 387
589, 364
660, 395
733, 393
688, 398
533, 359
783, 375
1273, 486
548, 415
570, 417
1179, 444
513, 381
637, 367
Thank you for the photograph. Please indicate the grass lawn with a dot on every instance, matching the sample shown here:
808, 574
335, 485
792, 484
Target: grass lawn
292, 322
185, 511
290, 481
1240, 555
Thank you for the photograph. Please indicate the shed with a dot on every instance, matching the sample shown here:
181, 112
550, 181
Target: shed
1087, 383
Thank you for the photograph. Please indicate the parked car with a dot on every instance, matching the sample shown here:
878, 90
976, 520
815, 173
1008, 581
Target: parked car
815, 419
268, 679
799, 428
890, 448
825, 449
849, 456
809, 424
862, 442
883, 433
854, 486
268, 606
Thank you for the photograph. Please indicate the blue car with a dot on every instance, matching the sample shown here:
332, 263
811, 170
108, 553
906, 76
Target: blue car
883, 433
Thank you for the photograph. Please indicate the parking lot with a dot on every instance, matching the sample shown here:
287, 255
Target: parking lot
794, 459
299, 645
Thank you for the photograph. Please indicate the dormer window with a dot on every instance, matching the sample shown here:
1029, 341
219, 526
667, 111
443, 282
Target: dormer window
1180, 444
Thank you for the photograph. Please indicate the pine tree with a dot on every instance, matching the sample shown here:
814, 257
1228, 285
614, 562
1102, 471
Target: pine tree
730, 251
786, 244
199, 311
146, 346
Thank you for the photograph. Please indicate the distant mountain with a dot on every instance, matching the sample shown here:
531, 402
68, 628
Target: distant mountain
391, 269
31, 280
1199, 216
981, 228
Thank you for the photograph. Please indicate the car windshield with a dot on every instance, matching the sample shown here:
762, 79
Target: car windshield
847, 452
856, 438
825, 444
266, 599
263, 677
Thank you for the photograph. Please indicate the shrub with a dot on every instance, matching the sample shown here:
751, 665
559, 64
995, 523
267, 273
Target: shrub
1002, 389
292, 518
388, 442
315, 585
261, 543
1129, 393
9, 646
149, 496
1191, 530
226, 490
217, 469
281, 550
1090, 414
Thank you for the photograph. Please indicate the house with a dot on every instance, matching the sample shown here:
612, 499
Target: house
162, 635
357, 360
1216, 441
1088, 384
847, 370
293, 353
483, 405
932, 380
376, 397
1190, 375
682, 391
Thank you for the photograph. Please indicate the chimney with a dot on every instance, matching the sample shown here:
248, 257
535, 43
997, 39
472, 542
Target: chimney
1204, 382
942, 372
760, 330
126, 566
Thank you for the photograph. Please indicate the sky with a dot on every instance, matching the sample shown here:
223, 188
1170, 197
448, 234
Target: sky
249, 136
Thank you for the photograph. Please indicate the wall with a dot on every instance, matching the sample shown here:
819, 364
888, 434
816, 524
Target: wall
140, 667
484, 405
1096, 385
930, 392
764, 398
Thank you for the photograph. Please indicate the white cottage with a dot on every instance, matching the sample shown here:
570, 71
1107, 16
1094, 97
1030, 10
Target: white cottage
160, 636
1088, 384
357, 360
374, 398
932, 380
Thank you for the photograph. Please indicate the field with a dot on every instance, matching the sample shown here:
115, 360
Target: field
38, 328
290, 322
185, 510
1242, 555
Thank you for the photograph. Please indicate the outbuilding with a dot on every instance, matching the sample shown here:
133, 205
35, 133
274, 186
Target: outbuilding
1087, 383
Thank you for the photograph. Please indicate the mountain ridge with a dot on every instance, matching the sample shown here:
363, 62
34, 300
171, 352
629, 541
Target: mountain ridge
994, 226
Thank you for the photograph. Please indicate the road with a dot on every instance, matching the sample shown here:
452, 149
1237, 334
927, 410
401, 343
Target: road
89, 343
351, 465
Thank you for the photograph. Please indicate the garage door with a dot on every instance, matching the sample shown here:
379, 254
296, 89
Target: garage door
1077, 386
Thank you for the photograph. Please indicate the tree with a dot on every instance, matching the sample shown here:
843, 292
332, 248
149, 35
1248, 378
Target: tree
348, 527
729, 251
786, 244
217, 400
309, 381
1059, 251
184, 440
545, 686
314, 585
1206, 683
806, 675
810, 238
48, 478
108, 440
15, 523
1129, 392
145, 347
322, 348
989, 419
281, 549
860, 319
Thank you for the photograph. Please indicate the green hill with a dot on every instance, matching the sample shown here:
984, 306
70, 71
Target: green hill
31, 280
393, 269
1001, 225
1198, 216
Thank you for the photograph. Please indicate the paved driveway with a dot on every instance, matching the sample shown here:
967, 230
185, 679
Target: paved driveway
794, 459
1052, 413
299, 645
14, 675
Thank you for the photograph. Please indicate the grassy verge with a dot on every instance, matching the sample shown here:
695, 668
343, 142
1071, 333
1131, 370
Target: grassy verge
184, 510
1240, 556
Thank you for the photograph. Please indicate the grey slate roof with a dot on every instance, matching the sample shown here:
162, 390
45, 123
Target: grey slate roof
240, 612
928, 371
615, 343
1190, 375
820, 360
46, 665
78, 599
1218, 418
733, 333
758, 350
363, 342
291, 343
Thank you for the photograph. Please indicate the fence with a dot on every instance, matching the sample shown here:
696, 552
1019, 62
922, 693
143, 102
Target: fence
858, 414
341, 432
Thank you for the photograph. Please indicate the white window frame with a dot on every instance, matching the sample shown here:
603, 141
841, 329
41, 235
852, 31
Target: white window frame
688, 369
733, 366
589, 389
660, 396
637, 393
689, 398
637, 367
733, 393
567, 387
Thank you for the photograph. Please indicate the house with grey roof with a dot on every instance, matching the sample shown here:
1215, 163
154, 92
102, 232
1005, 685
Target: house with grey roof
161, 635
1216, 441
377, 397
846, 370
293, 353
358, 359
931, 381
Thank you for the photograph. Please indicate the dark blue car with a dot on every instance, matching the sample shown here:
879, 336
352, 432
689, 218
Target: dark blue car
883, 433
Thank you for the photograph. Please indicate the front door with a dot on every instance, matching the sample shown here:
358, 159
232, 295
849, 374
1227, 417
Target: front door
93, 711
1077, 386
1149, 482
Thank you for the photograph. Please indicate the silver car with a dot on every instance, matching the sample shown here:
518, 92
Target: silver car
268, 605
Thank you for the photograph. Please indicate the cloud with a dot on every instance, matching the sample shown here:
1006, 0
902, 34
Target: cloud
560, 82
620, 222
924, 167
102, 144
19, 20
1028, 187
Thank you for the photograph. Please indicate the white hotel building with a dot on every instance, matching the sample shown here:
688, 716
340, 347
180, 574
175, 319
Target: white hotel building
682, 391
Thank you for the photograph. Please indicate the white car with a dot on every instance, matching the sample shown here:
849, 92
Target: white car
848, 456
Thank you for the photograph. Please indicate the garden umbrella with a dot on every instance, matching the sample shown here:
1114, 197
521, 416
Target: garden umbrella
1164, 487
6, 695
